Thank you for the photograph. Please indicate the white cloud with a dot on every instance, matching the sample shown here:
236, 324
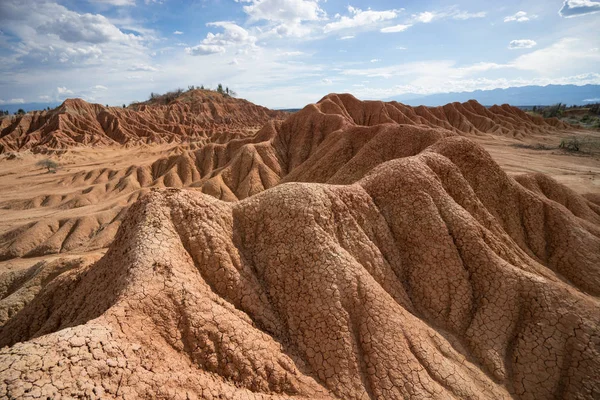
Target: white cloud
594, 100
292, 28
292, 53
347, 37
520, 16
395, 28
326, 81
427, 85
451, 12
284, 10
464, 15
63, 90
576, 8
204, 49
232, 36
425, 17
12, 101
360, 18
115, 2
142, 67
374, 60
521, 44
285, 17
50, 35
91, 28
400, 48
177, 33
100, 87
567, 56
433, 68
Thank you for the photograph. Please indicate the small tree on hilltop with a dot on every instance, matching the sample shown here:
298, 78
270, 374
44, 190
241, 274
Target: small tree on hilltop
50, 165
21, 111
220, 88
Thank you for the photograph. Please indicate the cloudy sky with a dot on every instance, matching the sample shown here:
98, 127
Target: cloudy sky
287, 53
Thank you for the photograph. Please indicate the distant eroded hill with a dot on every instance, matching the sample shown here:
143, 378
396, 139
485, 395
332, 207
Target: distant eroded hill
194, 116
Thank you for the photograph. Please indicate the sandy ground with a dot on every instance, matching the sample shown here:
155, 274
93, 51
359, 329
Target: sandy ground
578, 171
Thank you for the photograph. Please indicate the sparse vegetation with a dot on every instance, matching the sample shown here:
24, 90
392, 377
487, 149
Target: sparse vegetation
50, 165
589, 145
553, 111
588, 116
572, 144
166, 98
582, 145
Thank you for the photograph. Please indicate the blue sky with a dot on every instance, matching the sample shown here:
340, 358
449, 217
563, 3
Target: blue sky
287, 53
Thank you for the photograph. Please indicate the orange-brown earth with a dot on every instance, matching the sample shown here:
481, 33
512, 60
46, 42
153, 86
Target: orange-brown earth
354, 250
197, 115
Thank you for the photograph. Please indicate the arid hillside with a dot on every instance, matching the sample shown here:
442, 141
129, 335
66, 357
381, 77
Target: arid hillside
195, 115
353, 250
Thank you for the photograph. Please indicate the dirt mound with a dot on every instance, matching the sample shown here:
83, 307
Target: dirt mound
197, 115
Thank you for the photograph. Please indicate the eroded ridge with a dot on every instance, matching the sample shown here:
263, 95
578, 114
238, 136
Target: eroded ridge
196, 115
338, 140
434, 275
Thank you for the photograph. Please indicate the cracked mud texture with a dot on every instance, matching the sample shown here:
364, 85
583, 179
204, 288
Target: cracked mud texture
413, 270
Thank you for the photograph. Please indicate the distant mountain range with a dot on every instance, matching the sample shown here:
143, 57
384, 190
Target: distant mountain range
516, 96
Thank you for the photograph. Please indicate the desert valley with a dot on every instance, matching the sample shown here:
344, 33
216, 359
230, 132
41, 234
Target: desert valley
207, 247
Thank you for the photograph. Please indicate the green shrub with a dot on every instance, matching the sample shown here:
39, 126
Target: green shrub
572, 144
50, 165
